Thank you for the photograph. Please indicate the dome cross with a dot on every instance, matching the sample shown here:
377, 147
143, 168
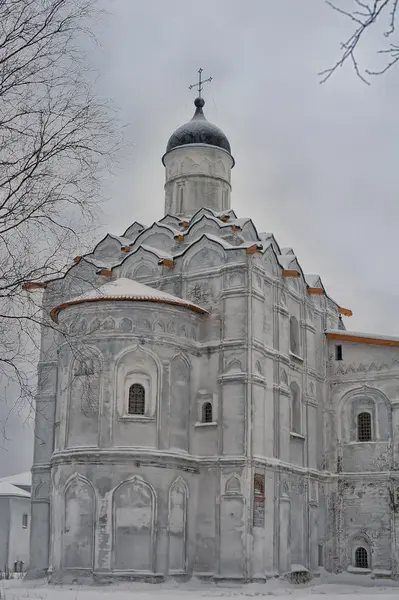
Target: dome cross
200, 84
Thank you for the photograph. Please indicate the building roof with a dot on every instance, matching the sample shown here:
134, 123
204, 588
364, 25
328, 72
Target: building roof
24, 479
123, 289
7, 489
198, 131
359, 337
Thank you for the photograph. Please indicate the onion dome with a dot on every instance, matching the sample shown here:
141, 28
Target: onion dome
198, 131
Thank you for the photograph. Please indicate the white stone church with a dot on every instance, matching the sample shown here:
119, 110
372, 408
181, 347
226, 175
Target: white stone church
202, 410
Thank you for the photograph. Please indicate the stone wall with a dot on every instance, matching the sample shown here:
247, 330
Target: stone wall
363, 507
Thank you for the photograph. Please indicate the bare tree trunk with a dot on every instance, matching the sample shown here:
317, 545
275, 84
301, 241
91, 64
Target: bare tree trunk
56, 141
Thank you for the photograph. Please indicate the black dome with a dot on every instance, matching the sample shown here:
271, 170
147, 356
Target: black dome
198, 131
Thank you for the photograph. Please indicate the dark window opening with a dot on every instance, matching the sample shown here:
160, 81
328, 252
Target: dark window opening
25, 521
338, 352
295, 409
207, 412
294, 336
19, 566
364, 427
259, 501
361, 558
136, 399
320, 555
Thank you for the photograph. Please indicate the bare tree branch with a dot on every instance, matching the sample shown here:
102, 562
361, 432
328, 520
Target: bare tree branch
364, 14
57, 140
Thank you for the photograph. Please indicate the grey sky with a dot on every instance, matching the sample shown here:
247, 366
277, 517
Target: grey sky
315, 164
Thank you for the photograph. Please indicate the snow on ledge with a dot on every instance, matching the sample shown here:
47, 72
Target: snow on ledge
7, 489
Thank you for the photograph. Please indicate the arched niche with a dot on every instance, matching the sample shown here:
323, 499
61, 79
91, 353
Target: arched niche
79, 519
163, 240
179, 398
134, 505
204, 225
219, 168
205, 167
108, 249
294, 336
141, 263
177, 526
137, 366
84, 396
143, 271
296, 421
233, 485
188, 165
202, 259
269, 262
364, 399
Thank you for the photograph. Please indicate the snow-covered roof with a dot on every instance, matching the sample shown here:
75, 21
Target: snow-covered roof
24, 479
312, 279
359, 334
127, 289
7, 489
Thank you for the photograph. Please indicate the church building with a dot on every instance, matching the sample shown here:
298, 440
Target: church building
202, 409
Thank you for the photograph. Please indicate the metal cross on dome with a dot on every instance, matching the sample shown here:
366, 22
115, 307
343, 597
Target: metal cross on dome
200, 83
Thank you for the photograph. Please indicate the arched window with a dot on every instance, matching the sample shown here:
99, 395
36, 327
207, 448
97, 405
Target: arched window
295, 409
294, 336
361, 558
259, 501
207, 412
364, 427
136, 399
180, 207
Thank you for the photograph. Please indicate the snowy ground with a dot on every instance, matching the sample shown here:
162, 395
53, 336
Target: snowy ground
342, 587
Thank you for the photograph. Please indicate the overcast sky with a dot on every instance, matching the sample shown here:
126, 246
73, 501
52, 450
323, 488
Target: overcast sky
315, 164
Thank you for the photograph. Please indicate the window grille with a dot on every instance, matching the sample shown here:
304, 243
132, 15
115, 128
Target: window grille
207, 412
361, 558
136, 399
364, 427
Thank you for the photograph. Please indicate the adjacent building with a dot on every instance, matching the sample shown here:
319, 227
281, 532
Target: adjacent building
14, 522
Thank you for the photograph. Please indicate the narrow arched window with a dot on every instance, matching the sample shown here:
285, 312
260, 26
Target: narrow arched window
181, 192
294, 336
295, 409
361, 558
136, 399
207, 412
364, 427
258, 519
